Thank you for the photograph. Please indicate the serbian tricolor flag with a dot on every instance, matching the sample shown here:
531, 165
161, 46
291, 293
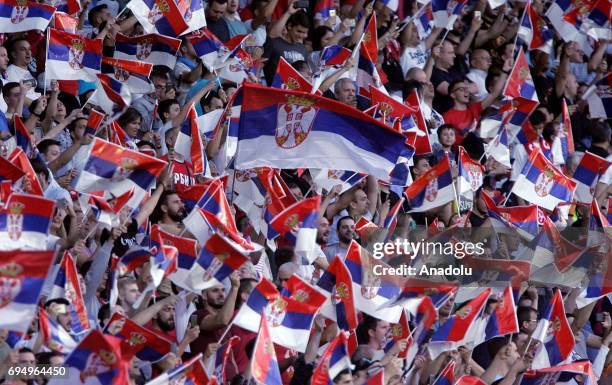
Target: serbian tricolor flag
238, 66
334, 360
25, 221
292, 129
328, 178
219, 258
433, 189
106, 212
447, 375
189, 144
366, 56
151, 48
97, 360
112, 96
66, 285
555, 333
400, 332
372, 291
287, 77
20, 159
289, 314
298, 222
186, 247
445, 12
340, 305
71, 57
520, 83
135, 257
23, 137
114, 169
207, 46
193, 13
69, 7
419, 138
222, 358
264, 366
134, 74
159, 16
524, 219
521, 109
597, 22
390, 221
542, 183
415, 290
93, 122
117, 135
562, 374
423, 20
190, 372
23, 274
587, 174
458, 327
24, 16
334, 55
503, 320
599, 98
391, 109
470, 175
65, 22
9, 172
54, 336
534, 31
140, 341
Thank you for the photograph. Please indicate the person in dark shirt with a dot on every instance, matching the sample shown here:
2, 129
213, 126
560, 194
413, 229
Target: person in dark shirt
215, 21
290, 45
442, 75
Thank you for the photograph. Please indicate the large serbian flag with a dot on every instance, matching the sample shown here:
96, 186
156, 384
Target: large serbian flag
542, 183
21, 16
72, 57
159, 16
292, 129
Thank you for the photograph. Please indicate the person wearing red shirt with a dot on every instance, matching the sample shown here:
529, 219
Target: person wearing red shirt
465, 115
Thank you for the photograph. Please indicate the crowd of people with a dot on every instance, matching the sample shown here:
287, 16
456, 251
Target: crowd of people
460, 74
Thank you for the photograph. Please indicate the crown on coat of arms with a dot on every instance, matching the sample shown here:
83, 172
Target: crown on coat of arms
21, 3
137, 339
10, 269
385, 108
109, 358
549, 172
396, 330
301, 296
163, 6
16, 208
78, 44
300, 101
129, 163
293, 84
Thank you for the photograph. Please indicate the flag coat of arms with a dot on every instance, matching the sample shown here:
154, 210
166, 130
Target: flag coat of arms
470, 175
22, 15
97, 360
542, 183
140, 341
281, 128
520, 83
287, 77
555, 333
587, 174
371, 291
433, 189
134, 74
534, 31
290, 314
339, 306
72, 57
151, 48
22, 275
117, 170
25, 221
159, 16
219, 258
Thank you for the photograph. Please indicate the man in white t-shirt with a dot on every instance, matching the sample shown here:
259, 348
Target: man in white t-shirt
415, 51
20, 55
